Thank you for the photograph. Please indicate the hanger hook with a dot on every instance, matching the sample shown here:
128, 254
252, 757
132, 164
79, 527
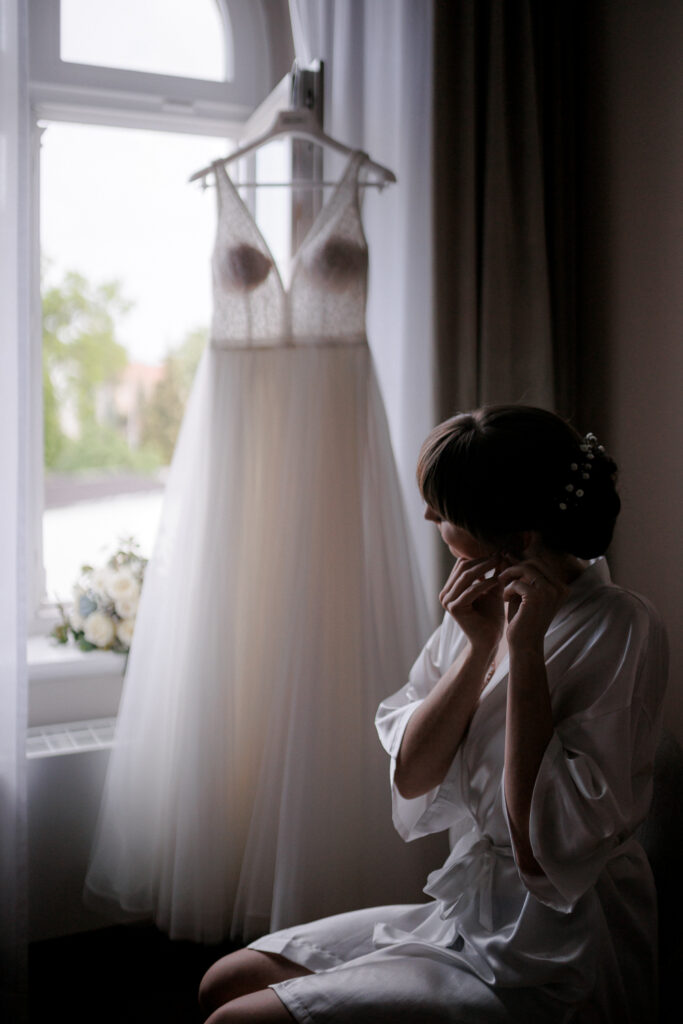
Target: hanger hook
294, 83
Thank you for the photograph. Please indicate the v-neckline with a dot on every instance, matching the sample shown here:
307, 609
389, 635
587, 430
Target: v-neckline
499, 673
313, 229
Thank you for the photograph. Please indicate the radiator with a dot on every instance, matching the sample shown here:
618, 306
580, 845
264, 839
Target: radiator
66, 767
70, 737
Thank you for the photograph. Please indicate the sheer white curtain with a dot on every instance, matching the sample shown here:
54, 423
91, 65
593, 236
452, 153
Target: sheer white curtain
378, 97
13, 349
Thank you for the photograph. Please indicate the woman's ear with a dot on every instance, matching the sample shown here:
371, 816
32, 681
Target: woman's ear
520, 545
530, 540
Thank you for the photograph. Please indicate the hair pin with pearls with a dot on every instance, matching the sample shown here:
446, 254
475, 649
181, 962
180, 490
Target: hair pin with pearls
575, 489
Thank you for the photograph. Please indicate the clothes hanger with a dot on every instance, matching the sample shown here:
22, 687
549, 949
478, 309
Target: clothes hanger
300, 124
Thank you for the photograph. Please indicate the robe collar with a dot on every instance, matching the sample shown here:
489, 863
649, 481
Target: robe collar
594, 576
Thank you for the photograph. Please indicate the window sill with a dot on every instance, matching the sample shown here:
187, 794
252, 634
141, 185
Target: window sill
69, 685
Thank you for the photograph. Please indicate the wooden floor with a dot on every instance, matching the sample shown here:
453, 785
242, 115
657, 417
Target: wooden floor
122, 975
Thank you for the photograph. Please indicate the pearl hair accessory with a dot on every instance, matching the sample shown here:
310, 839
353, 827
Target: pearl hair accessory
581, 470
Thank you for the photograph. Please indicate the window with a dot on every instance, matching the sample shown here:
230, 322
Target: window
126, 304
125, 249
149, 35
95, 92
122, 243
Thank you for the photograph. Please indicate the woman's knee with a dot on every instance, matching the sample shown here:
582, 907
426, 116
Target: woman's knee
225, 980
241, 973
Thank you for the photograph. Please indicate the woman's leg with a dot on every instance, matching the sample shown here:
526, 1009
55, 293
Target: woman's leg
241, 973
256, 1008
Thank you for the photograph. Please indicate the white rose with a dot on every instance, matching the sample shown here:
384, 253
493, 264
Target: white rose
99, 629
124, 631
126, 607
98, 580
76, 621
122, 584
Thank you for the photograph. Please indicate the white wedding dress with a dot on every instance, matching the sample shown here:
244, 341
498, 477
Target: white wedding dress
246, 789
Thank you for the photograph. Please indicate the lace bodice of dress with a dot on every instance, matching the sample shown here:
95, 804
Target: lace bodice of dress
326, 297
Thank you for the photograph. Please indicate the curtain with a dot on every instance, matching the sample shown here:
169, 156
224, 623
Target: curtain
13, 341
473, 252
505, 207
378, 97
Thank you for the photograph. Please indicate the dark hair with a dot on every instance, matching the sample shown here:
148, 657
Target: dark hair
501, 470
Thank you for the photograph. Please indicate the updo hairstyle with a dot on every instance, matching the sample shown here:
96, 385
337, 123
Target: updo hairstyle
501, 470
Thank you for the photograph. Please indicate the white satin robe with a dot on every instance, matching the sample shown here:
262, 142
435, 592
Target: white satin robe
578, 942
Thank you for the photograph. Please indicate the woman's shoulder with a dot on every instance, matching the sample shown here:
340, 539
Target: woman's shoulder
599, 597
612, 646
640, 624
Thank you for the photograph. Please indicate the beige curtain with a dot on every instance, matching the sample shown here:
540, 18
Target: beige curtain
378, 58
504, 203
471, 102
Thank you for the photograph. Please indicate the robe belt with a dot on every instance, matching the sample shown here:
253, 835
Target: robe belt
467, 873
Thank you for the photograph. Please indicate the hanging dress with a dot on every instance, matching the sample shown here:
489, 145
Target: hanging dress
246, 788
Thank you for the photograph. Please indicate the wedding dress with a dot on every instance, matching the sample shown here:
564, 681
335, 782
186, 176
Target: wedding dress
246, 789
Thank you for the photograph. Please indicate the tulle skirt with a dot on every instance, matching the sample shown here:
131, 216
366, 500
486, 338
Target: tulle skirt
246, 789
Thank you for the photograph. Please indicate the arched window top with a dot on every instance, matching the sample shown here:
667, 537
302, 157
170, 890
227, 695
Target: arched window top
184, 38
201, 66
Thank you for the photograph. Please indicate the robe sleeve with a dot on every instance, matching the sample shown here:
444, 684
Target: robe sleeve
594, 783
433, 811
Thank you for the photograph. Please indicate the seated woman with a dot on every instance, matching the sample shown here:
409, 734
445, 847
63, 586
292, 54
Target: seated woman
528, 729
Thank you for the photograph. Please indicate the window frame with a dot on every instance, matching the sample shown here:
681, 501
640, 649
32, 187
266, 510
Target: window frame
61, 90
88, 94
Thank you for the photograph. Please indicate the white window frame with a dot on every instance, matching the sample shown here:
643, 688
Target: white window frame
79, 93
62, 90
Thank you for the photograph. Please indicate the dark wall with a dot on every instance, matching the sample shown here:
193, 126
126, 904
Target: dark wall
630, 351
610, 75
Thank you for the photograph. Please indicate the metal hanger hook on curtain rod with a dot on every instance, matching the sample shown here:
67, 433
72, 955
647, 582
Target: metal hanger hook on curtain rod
301, 98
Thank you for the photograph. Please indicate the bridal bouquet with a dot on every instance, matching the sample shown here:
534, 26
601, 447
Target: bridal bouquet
105, 603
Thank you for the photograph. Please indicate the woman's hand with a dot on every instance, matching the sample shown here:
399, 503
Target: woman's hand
475, 600
533, 592
436, 728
